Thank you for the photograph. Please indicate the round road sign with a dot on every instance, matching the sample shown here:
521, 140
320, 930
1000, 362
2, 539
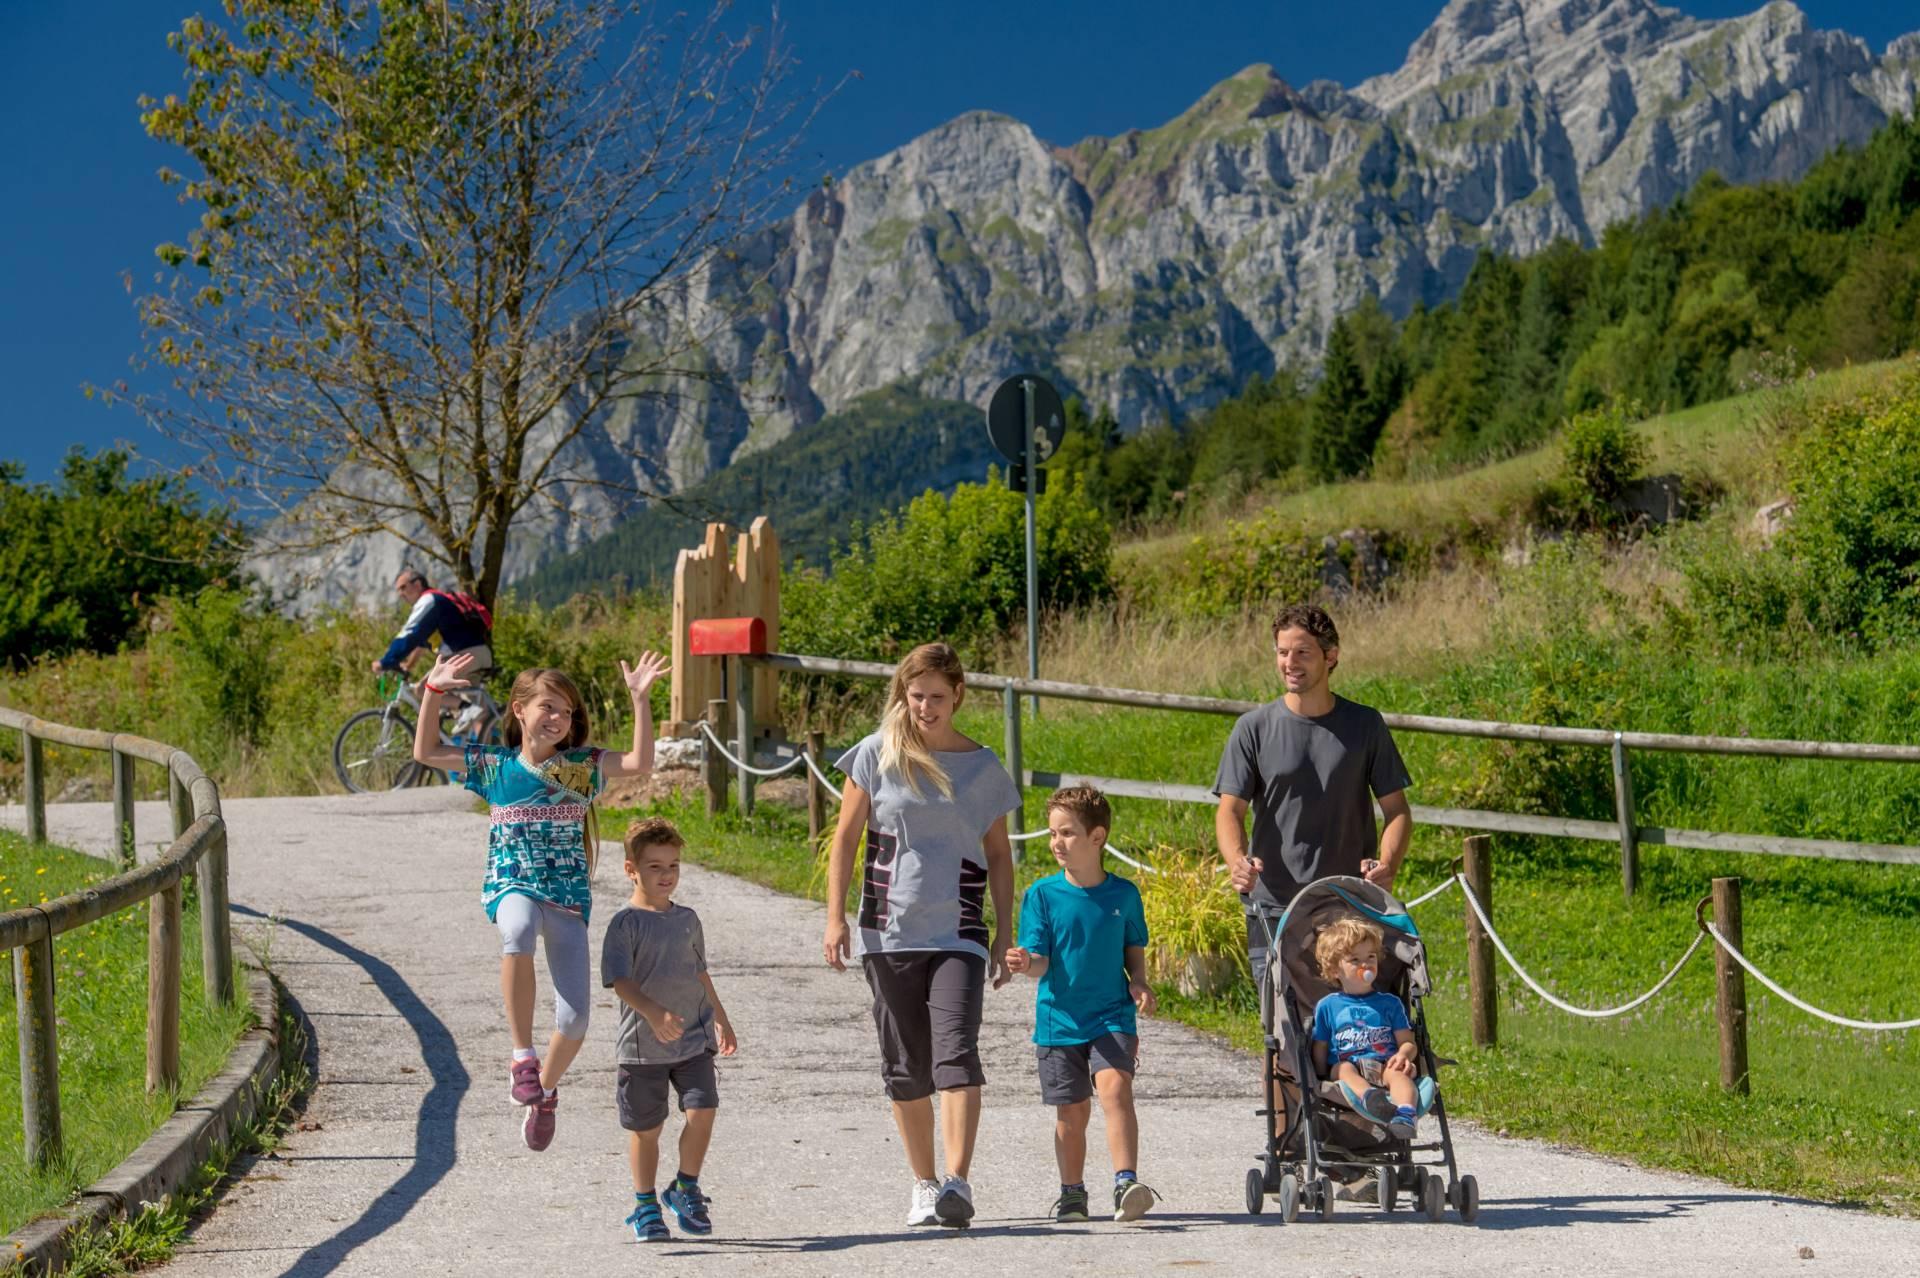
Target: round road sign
1007, 418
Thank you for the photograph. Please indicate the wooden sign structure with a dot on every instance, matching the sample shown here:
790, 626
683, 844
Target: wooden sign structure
715, 580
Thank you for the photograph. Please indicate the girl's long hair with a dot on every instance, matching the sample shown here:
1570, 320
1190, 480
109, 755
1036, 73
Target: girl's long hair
903, 751
526, 686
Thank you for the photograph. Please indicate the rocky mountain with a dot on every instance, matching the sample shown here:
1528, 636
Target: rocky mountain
1156, 271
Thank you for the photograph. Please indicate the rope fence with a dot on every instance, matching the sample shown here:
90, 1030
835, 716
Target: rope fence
1708, 931
707, 730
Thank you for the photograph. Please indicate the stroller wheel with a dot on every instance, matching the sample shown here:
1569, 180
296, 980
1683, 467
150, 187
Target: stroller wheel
1385, 1186
1466, 1199
1433, 1199
1256, 1191
1323, 1193
1289, 1196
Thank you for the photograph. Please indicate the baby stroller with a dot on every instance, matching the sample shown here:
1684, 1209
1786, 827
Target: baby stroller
1323, 1137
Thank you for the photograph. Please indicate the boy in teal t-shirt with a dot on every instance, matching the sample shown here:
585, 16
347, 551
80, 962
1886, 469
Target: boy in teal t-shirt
1083, 937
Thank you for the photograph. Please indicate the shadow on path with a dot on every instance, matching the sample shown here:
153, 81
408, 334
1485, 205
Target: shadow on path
433, 1141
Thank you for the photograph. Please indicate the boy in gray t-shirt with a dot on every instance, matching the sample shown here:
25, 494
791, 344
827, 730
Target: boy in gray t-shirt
654, 958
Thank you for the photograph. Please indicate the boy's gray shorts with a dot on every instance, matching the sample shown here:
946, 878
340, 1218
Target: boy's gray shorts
642, 1090
1067, 1070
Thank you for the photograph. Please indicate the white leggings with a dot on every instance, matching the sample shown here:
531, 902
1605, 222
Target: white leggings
521, 918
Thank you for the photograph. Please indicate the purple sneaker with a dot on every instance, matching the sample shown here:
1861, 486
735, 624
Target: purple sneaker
538, 1127
526, 1081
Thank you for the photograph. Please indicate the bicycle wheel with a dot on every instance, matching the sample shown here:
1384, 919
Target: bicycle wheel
374, 750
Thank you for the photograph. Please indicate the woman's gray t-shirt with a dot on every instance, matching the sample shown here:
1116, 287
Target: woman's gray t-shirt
924, 880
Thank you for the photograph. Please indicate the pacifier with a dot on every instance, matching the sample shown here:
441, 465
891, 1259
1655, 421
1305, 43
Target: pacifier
1366, 975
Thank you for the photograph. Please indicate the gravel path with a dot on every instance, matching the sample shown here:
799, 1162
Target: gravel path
409, 1158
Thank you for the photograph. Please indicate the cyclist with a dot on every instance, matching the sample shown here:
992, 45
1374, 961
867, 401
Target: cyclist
463, 624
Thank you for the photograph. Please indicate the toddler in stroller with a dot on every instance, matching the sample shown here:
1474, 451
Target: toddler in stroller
1324, 1116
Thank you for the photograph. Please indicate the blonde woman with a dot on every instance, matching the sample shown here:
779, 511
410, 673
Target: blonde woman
933, 805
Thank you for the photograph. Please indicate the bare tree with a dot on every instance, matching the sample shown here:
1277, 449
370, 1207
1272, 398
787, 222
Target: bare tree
437, 238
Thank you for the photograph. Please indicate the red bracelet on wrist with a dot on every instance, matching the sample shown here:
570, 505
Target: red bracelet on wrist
438, 692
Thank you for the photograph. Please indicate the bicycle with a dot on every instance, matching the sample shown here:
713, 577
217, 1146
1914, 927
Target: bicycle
374, 748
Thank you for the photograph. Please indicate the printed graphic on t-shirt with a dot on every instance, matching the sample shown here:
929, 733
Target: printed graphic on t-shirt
973, 894
877, 882
1355, 1039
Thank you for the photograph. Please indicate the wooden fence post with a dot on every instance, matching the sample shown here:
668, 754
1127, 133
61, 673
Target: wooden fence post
1623, 813
39, 1051
34, 786
1730, 984
216, 923
163, 988
715, 766
816, 789
1017, 819
123, 806
743, 731
1481, 993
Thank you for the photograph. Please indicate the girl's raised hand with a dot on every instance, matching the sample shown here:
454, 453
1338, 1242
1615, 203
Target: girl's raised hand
644, 673
451, 672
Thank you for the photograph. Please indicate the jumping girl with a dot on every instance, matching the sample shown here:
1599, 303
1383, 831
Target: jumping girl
933, 805
540, 851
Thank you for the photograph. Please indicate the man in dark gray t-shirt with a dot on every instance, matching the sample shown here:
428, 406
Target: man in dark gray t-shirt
1310, 765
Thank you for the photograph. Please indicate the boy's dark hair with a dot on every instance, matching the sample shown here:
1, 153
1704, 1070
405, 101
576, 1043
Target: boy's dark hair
652, 832
1310, 618
1086, 805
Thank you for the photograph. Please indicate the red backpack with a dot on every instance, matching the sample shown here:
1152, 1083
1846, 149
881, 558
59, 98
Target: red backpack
468, 607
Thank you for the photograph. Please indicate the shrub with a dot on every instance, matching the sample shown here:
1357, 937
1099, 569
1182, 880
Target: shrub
1255, 562
221, 645
951, 568
1846, 569
1601, 455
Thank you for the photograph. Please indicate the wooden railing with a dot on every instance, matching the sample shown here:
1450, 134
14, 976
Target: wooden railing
199, 848
1625, 828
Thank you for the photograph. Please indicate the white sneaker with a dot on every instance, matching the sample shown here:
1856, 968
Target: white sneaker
954, 1207
921, 1211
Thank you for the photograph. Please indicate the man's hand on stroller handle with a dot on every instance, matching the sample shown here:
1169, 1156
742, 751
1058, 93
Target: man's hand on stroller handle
1245, 872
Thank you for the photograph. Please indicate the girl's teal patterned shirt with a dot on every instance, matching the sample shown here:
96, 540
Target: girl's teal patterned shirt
538, 842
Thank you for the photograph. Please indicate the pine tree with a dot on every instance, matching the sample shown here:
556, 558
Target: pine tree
1341, 441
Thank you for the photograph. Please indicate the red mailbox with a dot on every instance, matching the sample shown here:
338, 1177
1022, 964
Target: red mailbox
727, 637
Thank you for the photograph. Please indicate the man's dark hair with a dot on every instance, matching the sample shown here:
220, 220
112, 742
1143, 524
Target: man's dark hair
412, 574
1310, 618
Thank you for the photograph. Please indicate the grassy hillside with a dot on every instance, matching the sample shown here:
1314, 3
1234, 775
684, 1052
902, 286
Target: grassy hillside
874, 456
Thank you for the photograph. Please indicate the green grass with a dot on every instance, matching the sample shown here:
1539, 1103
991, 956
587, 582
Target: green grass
1832, 1111
101, 1001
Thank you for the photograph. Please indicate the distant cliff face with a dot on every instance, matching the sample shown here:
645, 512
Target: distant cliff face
1156, 271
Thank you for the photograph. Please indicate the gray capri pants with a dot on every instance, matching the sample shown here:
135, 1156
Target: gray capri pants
927, 1006
522, 918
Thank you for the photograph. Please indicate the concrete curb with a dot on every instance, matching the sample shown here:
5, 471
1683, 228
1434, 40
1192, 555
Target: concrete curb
166, 1159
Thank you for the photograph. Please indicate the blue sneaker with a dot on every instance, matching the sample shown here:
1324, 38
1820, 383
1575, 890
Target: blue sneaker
647, 1224
689, 1206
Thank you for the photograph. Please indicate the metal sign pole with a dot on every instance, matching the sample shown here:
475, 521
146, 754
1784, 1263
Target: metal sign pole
1033, 573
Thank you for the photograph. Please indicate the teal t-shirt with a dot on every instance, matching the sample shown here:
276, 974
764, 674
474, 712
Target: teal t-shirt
537, 844
1084, 933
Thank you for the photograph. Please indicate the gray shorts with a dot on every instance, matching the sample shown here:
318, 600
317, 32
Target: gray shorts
1067, 1069
642, 1090
927, 1006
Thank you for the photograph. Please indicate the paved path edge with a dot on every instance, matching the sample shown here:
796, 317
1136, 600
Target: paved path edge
165, 1160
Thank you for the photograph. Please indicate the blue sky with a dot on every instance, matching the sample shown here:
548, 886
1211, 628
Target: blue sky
82, 207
